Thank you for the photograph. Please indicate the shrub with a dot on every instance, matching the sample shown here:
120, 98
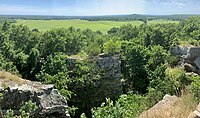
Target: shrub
194, 87
113, 46
126, 106
166, 81
93, 49
27, 109
172, 61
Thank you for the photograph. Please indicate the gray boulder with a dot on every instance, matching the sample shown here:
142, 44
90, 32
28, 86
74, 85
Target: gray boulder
189, 57
179, 50
17, 91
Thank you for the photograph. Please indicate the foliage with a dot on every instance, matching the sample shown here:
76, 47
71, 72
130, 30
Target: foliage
125, 107
157, 56
134, 70
172, 60
54, 71
26, 111
165, 81
113, 46
93, 49
139, 63
194, 87
9, 114
7, 65
56, 57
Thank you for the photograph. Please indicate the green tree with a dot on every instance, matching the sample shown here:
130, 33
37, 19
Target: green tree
134, 68
157, 57
6, 25
127, 32
33, 64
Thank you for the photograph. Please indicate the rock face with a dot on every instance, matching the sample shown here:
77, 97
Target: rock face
111, 66
17, 91
189, 57
109, 84
162, 109
179, 50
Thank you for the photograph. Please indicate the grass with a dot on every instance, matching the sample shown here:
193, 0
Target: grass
8, 77
179, 109
183, 107
153, 22
103, 26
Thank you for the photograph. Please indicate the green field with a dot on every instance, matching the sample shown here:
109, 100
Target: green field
103, 26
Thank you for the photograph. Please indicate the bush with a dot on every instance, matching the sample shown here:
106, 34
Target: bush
166, 81
127, 106
194, 87
112, 47
26, 111
93, 49
7, 65
172, 61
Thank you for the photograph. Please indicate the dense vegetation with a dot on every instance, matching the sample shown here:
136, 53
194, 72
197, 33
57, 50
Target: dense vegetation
148, 70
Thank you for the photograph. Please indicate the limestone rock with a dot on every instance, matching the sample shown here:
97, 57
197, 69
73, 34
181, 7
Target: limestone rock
189, 55
188, 67
179, 50
193, 53
111, 66
17, 91
197, 62
161, 109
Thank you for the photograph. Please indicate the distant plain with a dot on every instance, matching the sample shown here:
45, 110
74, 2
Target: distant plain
103, 26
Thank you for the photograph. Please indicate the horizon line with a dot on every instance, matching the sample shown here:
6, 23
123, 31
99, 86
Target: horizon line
94, 15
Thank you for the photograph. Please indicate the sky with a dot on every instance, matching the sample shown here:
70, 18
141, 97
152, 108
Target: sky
98, 7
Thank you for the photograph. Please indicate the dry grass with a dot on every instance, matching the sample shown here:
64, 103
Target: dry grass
183, 107
7, 77
179, 109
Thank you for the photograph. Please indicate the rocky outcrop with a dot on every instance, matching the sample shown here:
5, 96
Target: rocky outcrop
110, 64
108, 85
162, 109
189, 57
179, 50
17, 91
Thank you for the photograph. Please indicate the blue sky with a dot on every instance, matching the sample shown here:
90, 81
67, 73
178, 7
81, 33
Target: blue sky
98, 7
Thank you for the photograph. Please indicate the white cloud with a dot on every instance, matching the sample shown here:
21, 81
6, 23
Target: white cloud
181, 4
169, 3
